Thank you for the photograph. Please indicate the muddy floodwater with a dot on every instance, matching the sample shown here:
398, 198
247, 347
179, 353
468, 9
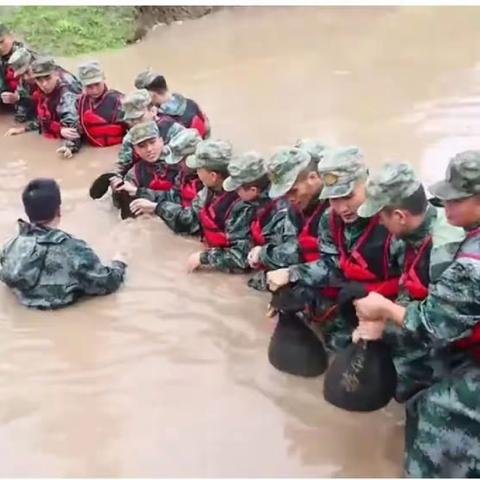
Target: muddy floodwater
169, 377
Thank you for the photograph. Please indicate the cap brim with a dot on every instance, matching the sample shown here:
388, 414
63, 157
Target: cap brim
369, 208
127, 117
20, 71
91, 81
192, 162
142, 139
444, 191
336, 191
279, 189
43, 74
230, 184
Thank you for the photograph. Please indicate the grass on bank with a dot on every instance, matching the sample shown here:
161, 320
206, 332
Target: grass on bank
69, 31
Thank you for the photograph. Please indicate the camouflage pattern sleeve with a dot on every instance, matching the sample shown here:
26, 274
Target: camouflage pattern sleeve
93, 277
125, 156
183, 219
25, 107
282, 247
233, 258
322, 271
68, 114
173, 131
451, 308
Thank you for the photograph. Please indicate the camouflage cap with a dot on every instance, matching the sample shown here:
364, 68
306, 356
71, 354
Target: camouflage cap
144, 79
315, 148
4, 30
283, 169
20, 60
135, 103
340, 169
182, 144
90, 72
43, 66
390, 185
211, 154
462, 177
143, 131
244, 168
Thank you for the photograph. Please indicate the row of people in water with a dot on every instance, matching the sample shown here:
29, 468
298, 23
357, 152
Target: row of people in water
419, 270
312, 222
82, 109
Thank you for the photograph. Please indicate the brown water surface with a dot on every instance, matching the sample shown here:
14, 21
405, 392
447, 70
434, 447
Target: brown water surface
170, 377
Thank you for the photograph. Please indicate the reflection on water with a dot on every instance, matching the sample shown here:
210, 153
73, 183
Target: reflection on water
170, 376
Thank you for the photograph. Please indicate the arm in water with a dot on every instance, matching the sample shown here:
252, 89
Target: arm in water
94, 277
68, 114
237, 229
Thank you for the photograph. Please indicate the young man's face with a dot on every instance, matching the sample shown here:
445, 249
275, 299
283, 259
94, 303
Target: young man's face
248, 194
94, 90
150, 149
464, 212
304, 190
398, 222
208, 178
346, 207
47, 83
158, 98
6, 44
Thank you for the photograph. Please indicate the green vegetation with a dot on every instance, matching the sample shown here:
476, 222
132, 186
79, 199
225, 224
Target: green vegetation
71, 30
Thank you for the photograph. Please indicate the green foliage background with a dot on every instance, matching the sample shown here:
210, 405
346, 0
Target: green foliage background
71, 30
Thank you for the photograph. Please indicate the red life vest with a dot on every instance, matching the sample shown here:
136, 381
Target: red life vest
472, 342
11, 80
192, 117
47, 115
308, 236
415, 276
213, 217
256, 227
368, 260
189, 185
155, 176
99, 122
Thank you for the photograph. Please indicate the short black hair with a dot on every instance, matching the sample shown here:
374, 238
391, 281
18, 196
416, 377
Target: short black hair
311, 167
41, 200
261, 183
416, 203
158, 84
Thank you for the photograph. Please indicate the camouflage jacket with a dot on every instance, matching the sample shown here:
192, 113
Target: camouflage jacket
185, 220
25, 108
451, 308
445, 242
326, 271
66, 112
125, 159
4, 64
274, 253
48, 268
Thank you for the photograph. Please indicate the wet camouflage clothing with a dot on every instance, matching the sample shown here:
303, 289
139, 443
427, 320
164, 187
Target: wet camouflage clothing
125, 159
48, 268
443, 421
4, 65
185, 220
26, 107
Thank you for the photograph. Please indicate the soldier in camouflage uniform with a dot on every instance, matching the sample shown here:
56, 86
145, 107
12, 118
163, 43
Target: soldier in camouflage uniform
47, 268
348, 244
137, 108
8, 82
57, 115
173, 105
221, 217
152, 176
443, 423
27, 92
396, 194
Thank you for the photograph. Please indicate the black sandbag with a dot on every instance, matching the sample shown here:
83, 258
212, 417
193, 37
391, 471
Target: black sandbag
294, 348
122, 200
361, 378
289, 298
100, 185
